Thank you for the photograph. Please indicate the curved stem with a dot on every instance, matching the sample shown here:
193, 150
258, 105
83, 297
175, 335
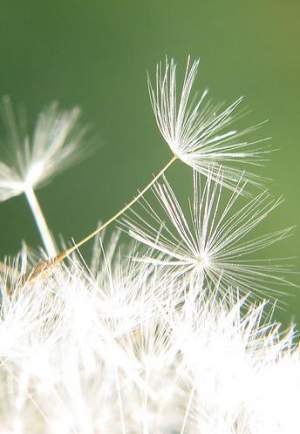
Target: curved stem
61, 256
40, 221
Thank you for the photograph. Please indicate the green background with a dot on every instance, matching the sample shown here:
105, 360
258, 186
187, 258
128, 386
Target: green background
96, 54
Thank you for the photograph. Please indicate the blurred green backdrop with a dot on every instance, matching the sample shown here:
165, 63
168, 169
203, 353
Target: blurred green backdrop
95, 53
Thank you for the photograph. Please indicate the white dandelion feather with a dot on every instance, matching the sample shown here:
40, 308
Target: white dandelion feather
197, 132
214, 243
34, 159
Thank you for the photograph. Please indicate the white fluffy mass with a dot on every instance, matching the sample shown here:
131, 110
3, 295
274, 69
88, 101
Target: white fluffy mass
123, 347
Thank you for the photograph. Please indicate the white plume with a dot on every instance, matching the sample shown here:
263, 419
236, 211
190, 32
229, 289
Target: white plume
198, 132
34, 159
214, 242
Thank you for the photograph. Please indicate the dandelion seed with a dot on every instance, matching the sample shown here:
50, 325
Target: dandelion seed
34, 160
213, 244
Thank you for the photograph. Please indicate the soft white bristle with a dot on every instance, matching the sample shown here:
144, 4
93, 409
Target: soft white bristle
35, 158
199, 133
214, 245
124, 350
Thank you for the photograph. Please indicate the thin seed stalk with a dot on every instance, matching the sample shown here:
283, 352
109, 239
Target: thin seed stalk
40, 222
56, 259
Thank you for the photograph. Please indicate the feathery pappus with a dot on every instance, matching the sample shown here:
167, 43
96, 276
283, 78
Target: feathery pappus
198, 132
31, 160
213, 242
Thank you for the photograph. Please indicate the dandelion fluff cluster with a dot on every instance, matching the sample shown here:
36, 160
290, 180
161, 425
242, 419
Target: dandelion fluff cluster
172, 332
